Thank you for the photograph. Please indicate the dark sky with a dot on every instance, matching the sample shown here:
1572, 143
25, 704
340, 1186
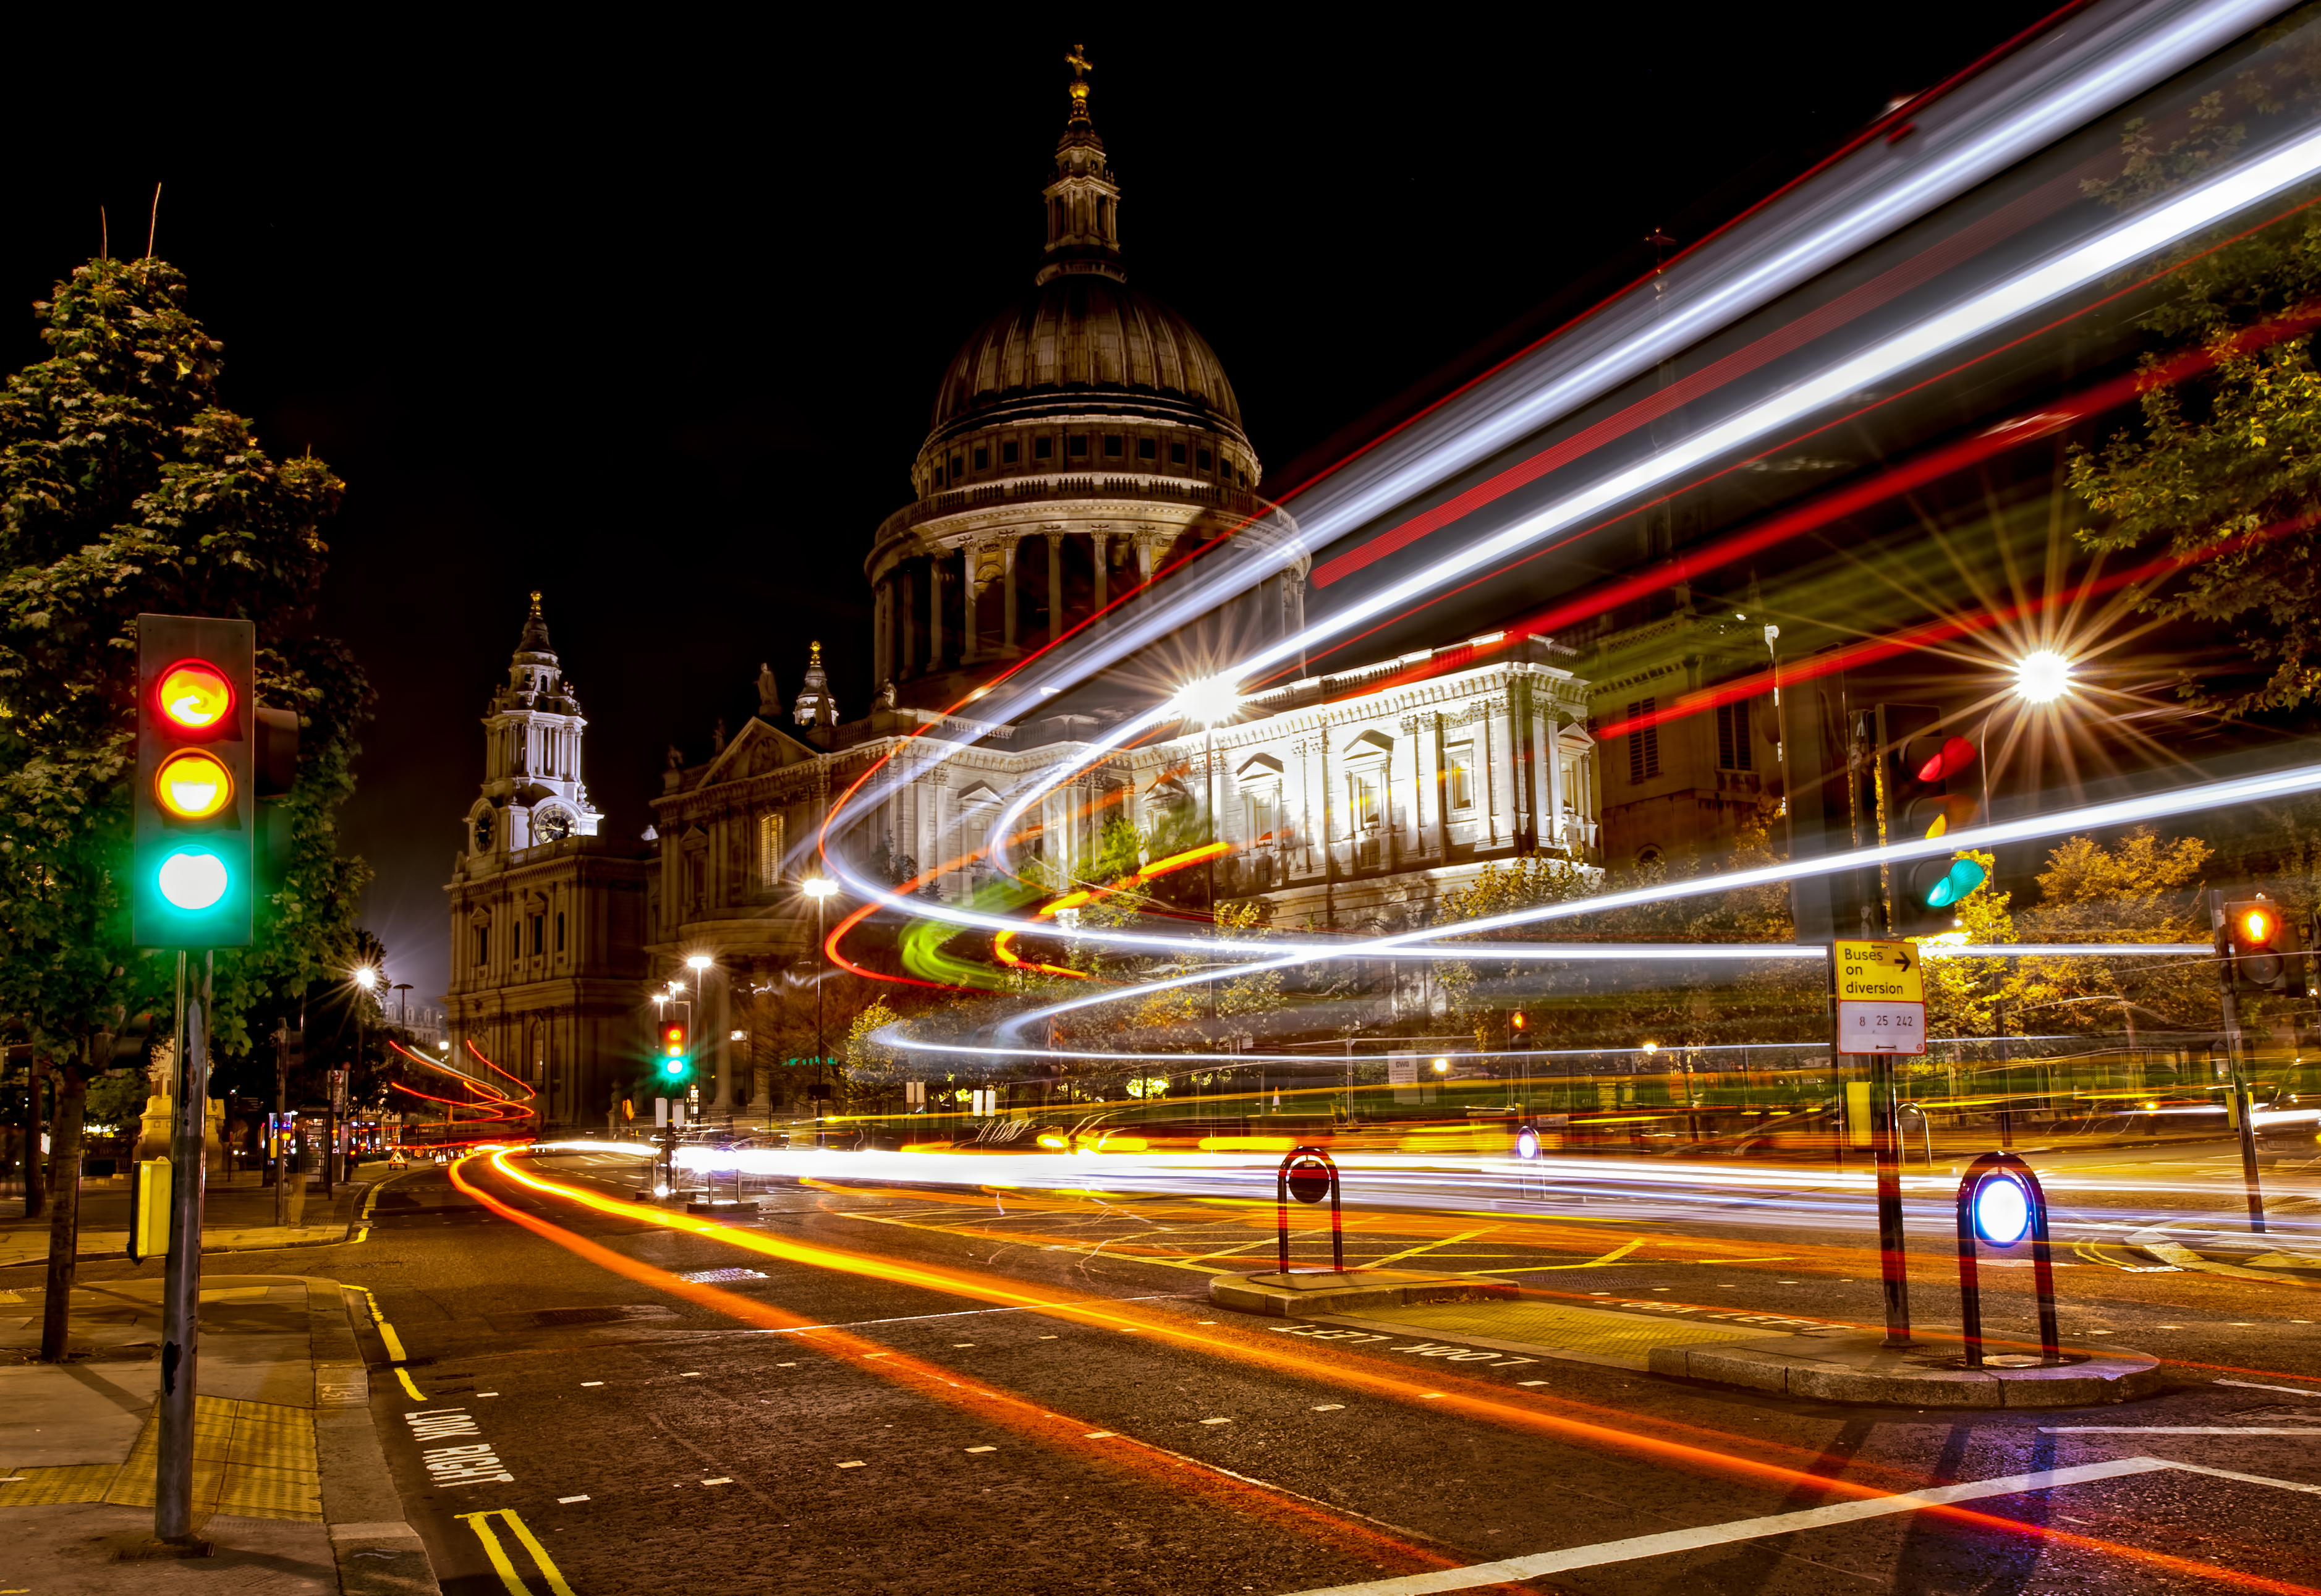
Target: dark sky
652, 321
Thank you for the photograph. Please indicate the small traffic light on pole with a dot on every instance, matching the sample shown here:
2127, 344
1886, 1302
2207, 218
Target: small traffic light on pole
1930, 785
2259, 944
195, 808
676, 1054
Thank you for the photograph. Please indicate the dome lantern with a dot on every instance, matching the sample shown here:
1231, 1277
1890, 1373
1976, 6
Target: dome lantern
1083, 199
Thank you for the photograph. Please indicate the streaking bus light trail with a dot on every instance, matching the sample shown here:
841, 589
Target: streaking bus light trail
2132, 239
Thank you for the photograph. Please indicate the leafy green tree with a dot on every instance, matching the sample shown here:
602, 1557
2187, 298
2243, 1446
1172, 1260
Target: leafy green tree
2143, 889
126, 487
2224, 474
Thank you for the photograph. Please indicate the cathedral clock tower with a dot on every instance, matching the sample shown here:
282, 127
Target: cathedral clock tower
533, 792
548, 916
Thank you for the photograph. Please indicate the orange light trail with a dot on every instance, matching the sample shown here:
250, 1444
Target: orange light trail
1035, 1420
1471, 1398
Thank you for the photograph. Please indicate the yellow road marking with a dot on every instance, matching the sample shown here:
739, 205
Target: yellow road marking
1423, 1247
392, 1342
504, 1564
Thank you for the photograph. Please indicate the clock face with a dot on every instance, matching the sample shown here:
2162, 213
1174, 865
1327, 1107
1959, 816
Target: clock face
552, 825
484, 831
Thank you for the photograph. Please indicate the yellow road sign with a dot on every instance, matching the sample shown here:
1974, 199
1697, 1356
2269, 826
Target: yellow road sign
1888, 969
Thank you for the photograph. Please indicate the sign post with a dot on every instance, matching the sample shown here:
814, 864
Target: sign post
1880, 997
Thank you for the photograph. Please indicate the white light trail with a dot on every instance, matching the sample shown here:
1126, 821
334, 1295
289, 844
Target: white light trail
2183, 800
2130, 240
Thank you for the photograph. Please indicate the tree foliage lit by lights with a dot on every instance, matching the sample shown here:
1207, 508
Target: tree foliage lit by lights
2225, 473
126, 487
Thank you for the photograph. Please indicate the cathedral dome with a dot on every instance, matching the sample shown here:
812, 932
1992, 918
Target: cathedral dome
1084, 342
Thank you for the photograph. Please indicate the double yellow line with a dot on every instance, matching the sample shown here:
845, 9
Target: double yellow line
503, 1563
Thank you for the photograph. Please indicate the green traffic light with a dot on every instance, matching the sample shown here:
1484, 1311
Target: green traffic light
1963, 878
192, 878
673, 1067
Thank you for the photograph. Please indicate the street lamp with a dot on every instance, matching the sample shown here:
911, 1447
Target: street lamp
822, 889
2043, 677
1209, 699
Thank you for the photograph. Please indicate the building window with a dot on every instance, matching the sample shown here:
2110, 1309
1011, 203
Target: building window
1011, 452
956, 466
1643, 743
1077, 445
1175, 454
483, 945
559, 931
1043, 449
539, 935
1146, 448
1458, 775
1362, 810
770, 850
1264, 811
1201, 457
1733, 735
516, 941
983, 458
1112, 446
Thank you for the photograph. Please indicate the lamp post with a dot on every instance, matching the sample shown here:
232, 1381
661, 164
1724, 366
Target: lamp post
368, 981
1208, 700
822, 889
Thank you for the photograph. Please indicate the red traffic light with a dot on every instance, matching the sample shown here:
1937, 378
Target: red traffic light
1956, 754
195, 696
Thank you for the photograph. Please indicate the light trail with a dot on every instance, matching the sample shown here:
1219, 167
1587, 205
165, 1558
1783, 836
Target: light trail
2124, 242
1471, 1398
2092, 816
1339, 1528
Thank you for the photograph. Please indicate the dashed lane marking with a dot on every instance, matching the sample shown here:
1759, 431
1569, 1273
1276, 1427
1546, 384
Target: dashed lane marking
592, 1383
504, 1564
1216, 1421
983, 1448
1329, 1407
720, 1480
2175, 1429
2294, 1391
571, 1499
852, 1465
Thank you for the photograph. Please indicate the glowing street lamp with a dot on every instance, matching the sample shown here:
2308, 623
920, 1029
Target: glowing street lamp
2043, 677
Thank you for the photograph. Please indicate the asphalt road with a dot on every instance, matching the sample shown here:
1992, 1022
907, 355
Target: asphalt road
658, 1433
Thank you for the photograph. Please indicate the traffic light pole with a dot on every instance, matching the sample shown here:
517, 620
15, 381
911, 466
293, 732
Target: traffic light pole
276, 1139
181, 1290
2230, 998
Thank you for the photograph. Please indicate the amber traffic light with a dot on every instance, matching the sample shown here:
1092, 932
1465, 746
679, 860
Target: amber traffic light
192, 784
2258, 944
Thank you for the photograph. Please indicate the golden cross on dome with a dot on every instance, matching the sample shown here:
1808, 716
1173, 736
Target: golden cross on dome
816, 647
1081, 67
535, 604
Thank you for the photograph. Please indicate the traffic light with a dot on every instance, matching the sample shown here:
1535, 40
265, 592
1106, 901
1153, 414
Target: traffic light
1930, 785
195, 808
676, 1054
2260, 943
1518, 1031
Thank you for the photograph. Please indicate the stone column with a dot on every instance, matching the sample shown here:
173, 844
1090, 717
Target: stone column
1007, 595
907, 623
970, 603
882, 633
719, 1001
1143, 542
1055, 585
934, 612
1102, 574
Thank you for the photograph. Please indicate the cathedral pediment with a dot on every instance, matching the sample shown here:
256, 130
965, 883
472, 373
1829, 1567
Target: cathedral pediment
760, 750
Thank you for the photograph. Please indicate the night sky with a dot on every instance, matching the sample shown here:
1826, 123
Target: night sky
652, 322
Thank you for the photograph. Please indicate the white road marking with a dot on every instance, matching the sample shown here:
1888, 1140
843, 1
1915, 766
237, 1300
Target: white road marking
1429, 1396
849, 1465
720, 1480
1531, 1382
592, 1383
957, 1345
2294, 1391
1216, 1421
1512, 1570
1098, 1436
690, 1374
784, 1365
487, 1393
569, 1498
2172, 1429
983, 1448
1329, 1407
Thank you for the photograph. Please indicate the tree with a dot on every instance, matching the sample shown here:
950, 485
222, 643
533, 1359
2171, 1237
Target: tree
125, 488
2143, 889
2224, 475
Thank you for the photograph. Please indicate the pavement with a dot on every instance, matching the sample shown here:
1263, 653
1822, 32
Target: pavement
237, 1217
291, 1487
